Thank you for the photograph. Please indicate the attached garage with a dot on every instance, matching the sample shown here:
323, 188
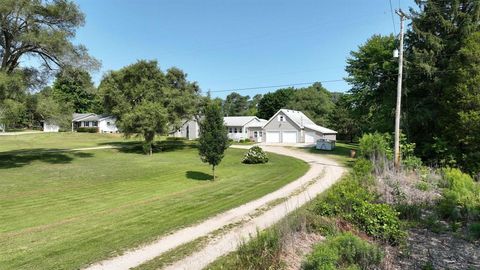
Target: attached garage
310, 137
289, 137
272, 137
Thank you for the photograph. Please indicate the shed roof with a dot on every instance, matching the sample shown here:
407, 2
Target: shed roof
237, 121
302, 121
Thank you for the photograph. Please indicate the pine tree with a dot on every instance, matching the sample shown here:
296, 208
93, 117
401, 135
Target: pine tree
213, 139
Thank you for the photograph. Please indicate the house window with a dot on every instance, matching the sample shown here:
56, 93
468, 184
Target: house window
255, 134
281, 118
235, 130
86, 124
230, 130
95, 123
108, 124
260, 134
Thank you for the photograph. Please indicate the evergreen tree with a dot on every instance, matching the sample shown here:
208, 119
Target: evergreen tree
213, 139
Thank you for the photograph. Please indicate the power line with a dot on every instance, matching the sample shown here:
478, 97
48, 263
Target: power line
393, 18
275, 86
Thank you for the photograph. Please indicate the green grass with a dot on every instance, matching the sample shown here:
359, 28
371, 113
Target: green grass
64, 210
340, 153
61, 140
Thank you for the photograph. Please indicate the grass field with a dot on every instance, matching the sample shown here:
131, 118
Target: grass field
64, 210
340, 153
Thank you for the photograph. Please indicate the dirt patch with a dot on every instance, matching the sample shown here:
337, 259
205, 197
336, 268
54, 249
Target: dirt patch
440, 251
296, 247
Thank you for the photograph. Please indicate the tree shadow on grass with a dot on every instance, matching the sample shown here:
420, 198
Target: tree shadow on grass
168, 145
20, 158
200, 176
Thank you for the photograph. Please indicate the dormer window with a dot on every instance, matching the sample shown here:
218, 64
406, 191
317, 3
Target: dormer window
281, 118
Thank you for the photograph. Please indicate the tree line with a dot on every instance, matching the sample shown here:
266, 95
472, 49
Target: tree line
440, 112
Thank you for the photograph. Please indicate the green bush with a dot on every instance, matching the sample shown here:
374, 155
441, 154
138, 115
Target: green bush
380, 221
474, 230
362, 171
412, 163
423, 186
375, 146
342, 199
87, 129
247, 140
461, 196
261, 252
255, 155
241, 141
409, 211
344, 251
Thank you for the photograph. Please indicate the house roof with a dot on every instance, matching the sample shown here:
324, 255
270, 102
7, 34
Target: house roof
260, 123
237, 121
302, 121
90, 117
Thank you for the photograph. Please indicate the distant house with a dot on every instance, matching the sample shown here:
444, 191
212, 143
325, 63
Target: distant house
49, 126
290, 127
189, 129
244, 127
238, 128
104, 123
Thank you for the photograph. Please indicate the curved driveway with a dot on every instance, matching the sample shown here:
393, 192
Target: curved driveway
323, 173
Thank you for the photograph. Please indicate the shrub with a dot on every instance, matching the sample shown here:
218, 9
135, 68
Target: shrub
423, 186
380, 221
362, 171
375, 146
247, 140
261, 252
87, 129
344, 251
461, 196
255, 155
342, 199
241, 141
474, 230
412, 163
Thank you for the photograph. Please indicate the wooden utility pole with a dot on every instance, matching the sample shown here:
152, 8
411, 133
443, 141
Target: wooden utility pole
399, 93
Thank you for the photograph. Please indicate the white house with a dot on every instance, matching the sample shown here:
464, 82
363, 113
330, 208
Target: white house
244, 127
49, 126
104, 123
289, 126
189, 129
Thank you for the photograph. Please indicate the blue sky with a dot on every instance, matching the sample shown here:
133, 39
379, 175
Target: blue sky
232, 44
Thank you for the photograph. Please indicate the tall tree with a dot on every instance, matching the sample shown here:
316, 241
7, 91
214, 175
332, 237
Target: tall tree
213, 139
440, 77
41, 29
253, 104
235, 104
342, 118
146, 101
315, 101
274, 101
372, 74
52, 110
75, 86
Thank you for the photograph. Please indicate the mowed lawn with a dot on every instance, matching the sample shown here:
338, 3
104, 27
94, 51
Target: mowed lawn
64, 210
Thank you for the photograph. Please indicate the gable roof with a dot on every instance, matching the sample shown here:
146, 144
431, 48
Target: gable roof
237, 121
77, 117
302, 121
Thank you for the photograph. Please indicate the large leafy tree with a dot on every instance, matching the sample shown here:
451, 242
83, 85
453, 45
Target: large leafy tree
274, 101
75, 86
213, 139
146, 101
52, 110
342, 118
315, 101
41, 29
372, 74
442, 95
235, 105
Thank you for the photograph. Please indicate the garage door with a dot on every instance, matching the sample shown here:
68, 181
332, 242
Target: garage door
309, 137
272, 137
289, 136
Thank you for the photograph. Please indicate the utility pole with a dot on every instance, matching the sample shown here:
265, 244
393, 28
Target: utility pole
399, 93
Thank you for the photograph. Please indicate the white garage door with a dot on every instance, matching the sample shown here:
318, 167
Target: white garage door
289, 136
273, 137
309, 137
